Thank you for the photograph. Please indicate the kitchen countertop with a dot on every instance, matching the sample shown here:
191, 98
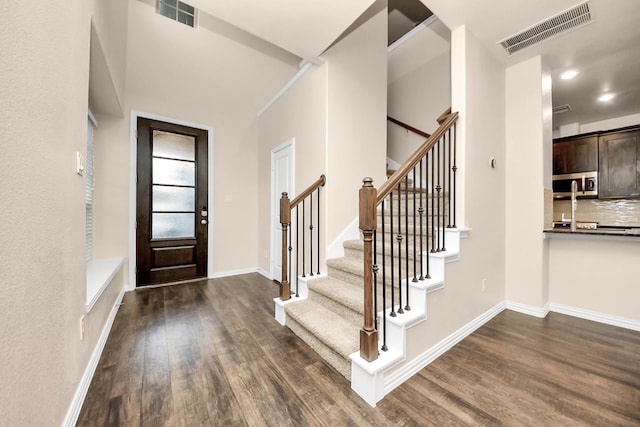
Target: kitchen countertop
604, 232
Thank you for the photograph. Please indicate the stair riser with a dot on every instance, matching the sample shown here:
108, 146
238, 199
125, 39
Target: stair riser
340, 363
338, 308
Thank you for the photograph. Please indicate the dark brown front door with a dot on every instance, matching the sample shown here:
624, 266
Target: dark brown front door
172, 215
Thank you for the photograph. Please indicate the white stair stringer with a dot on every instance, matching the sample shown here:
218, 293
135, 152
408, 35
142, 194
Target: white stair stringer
368, 378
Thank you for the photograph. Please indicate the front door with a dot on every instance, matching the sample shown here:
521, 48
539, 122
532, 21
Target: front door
171, 210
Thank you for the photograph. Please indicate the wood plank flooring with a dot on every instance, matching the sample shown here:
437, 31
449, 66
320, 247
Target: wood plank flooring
210, 353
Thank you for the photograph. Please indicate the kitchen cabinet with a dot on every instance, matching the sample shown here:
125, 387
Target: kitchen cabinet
575, 154
620, 164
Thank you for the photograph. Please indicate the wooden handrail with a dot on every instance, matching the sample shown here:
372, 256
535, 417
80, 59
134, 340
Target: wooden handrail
443, 116
399, 175
313, 187
408, 127
286, 207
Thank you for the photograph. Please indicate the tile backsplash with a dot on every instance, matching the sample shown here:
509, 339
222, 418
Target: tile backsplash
616, 212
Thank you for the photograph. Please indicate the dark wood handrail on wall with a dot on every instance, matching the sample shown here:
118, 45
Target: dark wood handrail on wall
286, 206
408, 127
439, 148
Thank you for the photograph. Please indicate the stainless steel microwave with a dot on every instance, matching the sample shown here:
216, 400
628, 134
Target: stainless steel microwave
587, 185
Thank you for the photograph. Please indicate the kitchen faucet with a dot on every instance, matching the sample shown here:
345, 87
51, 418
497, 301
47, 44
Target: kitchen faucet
574, 204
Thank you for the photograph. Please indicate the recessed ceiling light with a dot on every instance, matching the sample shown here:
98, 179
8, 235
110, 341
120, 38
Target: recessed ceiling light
606, 97
568, 75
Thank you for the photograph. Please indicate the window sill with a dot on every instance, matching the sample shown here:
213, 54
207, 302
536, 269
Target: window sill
100, 272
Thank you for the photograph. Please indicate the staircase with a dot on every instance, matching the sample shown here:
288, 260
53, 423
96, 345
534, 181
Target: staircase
328, 314
413, 242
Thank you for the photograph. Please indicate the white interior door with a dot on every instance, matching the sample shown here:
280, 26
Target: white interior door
281, 181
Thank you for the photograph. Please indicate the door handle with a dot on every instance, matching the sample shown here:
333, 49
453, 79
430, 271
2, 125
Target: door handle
203, 222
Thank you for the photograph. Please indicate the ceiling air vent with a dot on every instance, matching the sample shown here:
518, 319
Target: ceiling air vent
569, 19
562, 109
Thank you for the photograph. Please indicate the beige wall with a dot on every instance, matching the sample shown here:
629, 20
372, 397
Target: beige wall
595, 275
480, 100
418, 94
45, 60
356, 121
209, 78
526, 280
301, 114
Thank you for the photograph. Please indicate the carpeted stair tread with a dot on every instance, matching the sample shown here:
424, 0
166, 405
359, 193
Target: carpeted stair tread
332, 330
342, 293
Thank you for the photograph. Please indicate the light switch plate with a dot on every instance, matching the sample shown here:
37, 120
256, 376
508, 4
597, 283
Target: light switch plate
79, 163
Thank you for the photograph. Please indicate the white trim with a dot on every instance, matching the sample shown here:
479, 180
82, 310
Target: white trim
290, 145
336, 248
286, 87
407, 371
100, 272
133, 155
415, 30
264, 273
392, 164
595, 316
238, 272
530, 310
81, 392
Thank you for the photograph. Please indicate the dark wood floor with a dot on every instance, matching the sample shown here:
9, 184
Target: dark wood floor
210, 354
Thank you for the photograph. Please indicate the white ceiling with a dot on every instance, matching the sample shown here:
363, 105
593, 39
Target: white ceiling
303, 27
607, 51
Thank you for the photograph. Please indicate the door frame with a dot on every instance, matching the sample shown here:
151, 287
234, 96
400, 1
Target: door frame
133, 171
275, 198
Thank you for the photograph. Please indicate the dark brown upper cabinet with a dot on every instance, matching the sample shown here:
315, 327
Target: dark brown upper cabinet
575, 154
620, 164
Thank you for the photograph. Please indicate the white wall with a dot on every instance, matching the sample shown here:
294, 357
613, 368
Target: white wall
526, 280
44, 85
301, 114
478, 95
578, 128
356, 119
418, 99
210, 76
419, 88
595, 275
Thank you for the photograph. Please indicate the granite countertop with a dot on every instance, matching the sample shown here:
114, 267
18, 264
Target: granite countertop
602, 231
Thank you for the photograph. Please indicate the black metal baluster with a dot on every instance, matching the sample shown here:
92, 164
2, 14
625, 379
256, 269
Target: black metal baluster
415, 255
426, 175
375, 279
438, 188
304, 247
449, 175
384, 286
455, 168
433, 226
443, 192
311, 231
421, 213
289, 247
318, 232
399, 240
297, 252
392, 313
406, 241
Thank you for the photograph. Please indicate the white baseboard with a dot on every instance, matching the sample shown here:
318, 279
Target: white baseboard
229, 273
264, 273
401, 375
595, 316
352, 232
528, 309
78, 399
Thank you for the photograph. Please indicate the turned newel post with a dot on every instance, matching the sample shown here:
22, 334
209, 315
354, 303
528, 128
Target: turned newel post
285, 220
368, 223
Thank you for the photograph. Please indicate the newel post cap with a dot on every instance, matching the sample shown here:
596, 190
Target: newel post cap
367, 182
